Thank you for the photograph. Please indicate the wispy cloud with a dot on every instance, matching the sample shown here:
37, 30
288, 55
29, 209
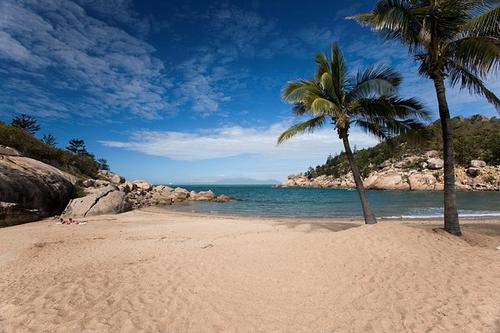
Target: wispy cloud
57, 46
235, 141
211, 75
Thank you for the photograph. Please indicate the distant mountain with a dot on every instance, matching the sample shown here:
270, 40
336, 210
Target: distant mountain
245, 181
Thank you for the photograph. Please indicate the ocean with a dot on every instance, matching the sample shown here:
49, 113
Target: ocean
266, 200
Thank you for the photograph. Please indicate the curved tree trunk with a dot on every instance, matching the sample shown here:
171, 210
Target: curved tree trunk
367, 210
451, 223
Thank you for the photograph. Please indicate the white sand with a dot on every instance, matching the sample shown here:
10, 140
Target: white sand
174, 272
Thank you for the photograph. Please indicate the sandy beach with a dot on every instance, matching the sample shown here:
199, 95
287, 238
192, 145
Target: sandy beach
162, 271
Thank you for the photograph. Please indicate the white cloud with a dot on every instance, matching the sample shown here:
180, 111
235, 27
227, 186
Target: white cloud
235, 141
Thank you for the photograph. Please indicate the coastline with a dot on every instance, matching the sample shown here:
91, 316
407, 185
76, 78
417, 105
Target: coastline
150, 269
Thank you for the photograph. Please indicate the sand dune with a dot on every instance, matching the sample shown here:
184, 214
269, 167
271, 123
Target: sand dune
173, 272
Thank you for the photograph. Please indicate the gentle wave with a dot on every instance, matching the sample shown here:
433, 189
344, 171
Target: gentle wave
438, 216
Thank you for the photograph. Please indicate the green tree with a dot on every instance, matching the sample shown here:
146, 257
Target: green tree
103, 164
456, 40
49, 139
367, 100
77, 146
26, 122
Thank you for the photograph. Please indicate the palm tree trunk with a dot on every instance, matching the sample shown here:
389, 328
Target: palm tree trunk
451, 223
367, 210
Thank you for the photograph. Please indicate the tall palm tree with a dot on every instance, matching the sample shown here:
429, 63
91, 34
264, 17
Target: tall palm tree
452, 39
367, 100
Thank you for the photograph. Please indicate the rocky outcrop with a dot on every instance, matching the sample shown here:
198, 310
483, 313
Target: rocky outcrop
416, 173
112, 197
29, 189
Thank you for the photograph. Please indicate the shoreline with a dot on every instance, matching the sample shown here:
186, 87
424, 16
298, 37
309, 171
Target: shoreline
407, 218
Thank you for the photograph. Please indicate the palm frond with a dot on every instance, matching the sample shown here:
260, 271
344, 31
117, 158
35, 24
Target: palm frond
388, 115
298, 91
410, 108
323, 66
322, 106
479, 54
375, 80
395, 19
469, 81
485, 24
338, 68
305, 126
299, 109
369, 127
388, 107
386, 128
327, 84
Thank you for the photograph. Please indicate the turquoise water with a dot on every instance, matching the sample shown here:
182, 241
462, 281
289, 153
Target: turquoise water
265, 200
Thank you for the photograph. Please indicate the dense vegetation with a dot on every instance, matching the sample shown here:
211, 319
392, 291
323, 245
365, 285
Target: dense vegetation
474, 138
81, 165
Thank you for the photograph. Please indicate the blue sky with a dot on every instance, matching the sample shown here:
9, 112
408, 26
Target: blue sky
187, 91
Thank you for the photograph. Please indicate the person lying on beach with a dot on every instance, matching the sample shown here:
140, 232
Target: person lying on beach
71, 221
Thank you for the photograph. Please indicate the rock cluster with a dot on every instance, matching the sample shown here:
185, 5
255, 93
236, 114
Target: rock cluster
416, 173
112, 194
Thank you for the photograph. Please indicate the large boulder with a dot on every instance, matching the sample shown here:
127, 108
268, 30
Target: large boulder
435, 163
127, 187
111, 177
162, 198
202, 196
477, 164
180, 194
422, 182
107, 200
473, 172
117, 179
389, 181
114, 202
385, 164
30, 189
142, 185
432, 153
222, 198
7, 151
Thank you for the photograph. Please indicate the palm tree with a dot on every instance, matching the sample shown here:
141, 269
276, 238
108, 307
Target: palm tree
456, 40
367, 100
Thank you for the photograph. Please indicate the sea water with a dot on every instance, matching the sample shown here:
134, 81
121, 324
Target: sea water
266, 200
